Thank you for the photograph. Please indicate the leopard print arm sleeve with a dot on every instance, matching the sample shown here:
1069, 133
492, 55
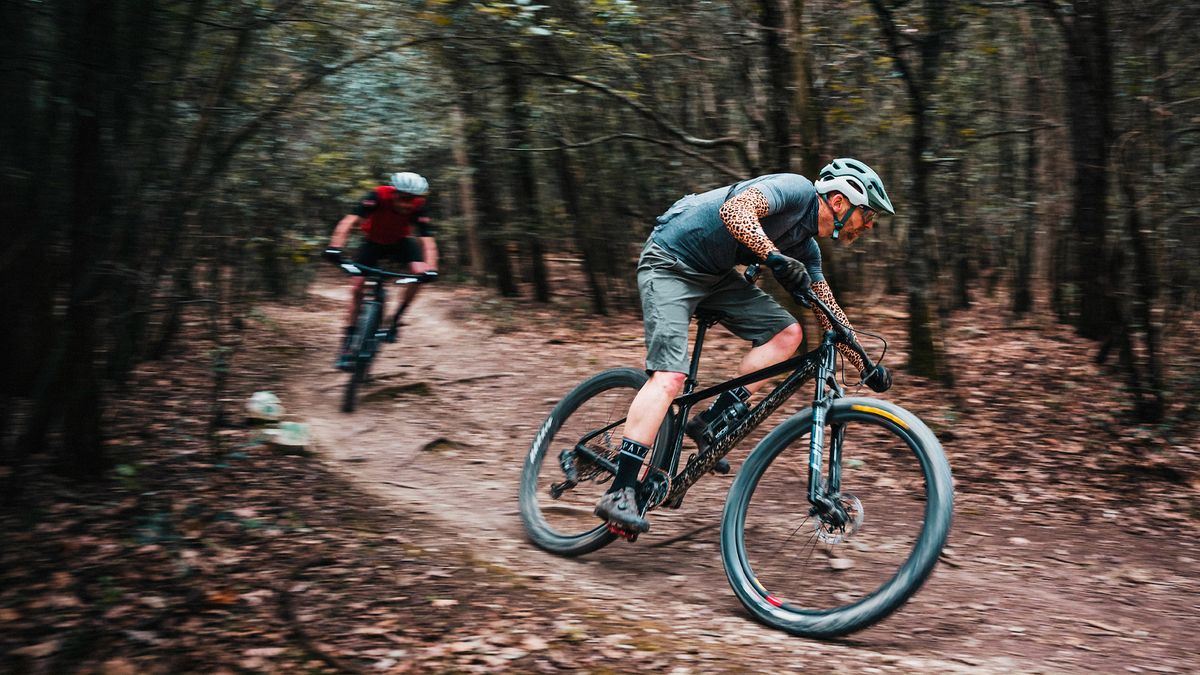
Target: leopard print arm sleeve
741, 214
825, 294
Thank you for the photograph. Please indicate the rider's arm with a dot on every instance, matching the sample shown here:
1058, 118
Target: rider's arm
354, 219
810, 254
425, 235
740, 214
429, 246
342, 231
825, 294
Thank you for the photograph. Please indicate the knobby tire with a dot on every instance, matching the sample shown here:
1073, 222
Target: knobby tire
894, 465
362, 350
566, 526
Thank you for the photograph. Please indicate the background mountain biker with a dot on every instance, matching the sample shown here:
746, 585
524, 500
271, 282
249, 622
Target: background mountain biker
688, 263
396, 226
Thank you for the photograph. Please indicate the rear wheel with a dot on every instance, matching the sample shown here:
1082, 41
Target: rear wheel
557, 513
821, 576
362, 350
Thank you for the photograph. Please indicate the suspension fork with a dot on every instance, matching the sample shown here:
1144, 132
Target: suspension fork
827, 390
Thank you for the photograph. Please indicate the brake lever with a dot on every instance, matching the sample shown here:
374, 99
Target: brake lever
804, 298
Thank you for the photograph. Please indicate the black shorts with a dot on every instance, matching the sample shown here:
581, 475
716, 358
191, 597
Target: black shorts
404, 251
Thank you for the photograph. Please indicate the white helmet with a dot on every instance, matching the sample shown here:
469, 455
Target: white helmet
412, 183
857, 182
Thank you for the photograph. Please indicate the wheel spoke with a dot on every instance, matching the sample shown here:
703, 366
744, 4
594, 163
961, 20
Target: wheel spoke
810, 576
562, 520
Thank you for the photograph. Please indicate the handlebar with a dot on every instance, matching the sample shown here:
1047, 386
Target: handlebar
361, 270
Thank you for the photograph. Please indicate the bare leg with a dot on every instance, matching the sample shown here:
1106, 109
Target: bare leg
777, 349
356, 295
650, 406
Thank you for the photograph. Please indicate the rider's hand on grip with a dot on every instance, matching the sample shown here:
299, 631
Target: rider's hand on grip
333, 255
790, 273
879, 379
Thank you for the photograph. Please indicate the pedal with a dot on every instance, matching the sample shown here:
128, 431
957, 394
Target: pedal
557, 489
622, 532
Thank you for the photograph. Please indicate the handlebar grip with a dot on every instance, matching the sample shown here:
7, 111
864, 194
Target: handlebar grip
804, 298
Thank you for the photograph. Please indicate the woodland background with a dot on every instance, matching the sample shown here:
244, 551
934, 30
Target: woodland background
171, 170
171, 159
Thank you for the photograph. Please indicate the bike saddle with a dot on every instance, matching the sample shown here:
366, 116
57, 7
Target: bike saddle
709, 316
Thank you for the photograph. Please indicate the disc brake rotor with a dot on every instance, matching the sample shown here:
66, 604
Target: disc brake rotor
830, 533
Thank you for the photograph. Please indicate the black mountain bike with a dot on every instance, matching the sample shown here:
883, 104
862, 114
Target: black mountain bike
368, 327
835, 519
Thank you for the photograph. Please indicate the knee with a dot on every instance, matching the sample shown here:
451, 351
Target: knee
789, 337
668, 382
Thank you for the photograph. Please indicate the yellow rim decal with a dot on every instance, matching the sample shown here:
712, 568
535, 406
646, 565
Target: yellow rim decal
881, 413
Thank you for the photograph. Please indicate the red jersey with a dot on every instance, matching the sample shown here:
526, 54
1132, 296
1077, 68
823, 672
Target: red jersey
383, 224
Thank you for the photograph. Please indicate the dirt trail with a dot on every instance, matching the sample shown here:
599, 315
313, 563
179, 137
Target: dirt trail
1024, 587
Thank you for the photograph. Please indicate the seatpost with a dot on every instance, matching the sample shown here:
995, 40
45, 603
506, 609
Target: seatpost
689, 385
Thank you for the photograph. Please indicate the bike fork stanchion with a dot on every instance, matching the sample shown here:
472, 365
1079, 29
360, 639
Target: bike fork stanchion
816, 443
837, 434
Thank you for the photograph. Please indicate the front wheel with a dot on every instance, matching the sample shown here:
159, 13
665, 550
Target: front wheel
558, 514
362, 351
820, 576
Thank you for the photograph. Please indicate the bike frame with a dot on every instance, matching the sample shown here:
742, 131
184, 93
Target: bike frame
378, 297
819, 364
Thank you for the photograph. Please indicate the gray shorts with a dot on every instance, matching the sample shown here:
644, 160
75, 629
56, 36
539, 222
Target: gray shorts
672, 291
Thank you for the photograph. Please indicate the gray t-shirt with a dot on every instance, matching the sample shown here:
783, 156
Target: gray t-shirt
693, 231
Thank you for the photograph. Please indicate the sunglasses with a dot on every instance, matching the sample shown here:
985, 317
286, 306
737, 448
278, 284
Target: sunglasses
867, 214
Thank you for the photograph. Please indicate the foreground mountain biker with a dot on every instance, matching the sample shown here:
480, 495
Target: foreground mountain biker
688, 263
395, 222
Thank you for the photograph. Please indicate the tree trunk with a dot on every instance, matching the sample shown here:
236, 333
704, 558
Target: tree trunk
1022, 299
466, 195
76, 392
1088, 71
492, 235
570, 192
925, 355
1148, 391
804, 100
777, 155
526, 188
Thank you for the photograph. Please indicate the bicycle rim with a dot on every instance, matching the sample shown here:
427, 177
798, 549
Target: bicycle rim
566, 525
810, 578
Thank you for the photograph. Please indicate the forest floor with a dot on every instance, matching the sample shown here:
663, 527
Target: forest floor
395, 544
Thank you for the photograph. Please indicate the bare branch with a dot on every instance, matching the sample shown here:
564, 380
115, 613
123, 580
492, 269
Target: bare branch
648, 113
567, 145
284, 101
